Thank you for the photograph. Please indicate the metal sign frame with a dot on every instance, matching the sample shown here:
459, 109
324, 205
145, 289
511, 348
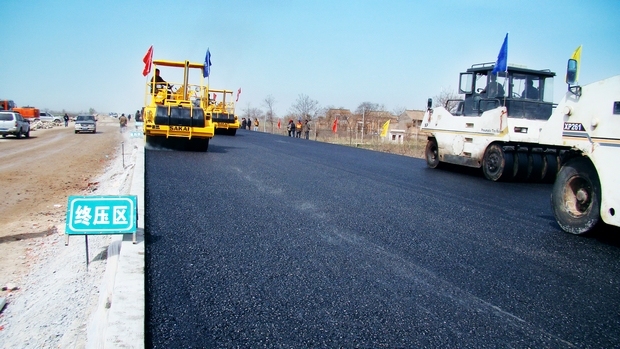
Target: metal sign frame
101, 215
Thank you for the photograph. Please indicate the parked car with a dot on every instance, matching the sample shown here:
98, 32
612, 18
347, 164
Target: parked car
43, 116
85, 123
12, 123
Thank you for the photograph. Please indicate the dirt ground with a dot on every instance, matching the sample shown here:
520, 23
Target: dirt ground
37, 175
51, 294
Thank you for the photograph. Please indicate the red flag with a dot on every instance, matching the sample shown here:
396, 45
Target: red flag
335, 126
148, 61
279, 125
214, 96
238, 93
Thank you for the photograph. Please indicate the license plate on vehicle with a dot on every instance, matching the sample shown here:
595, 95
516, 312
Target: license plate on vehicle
573, 126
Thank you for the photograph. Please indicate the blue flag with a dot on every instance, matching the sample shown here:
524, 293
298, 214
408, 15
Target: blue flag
502, 58
207, 67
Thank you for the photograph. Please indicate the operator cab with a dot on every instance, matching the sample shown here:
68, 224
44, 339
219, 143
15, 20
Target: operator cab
7, 105
526, 93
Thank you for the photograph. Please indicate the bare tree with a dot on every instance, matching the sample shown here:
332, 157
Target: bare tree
398, 111
268, 102
304, 107
447, 99
352, 121
368, 107
370, 115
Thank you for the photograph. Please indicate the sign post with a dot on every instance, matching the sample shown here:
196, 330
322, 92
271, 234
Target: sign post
101, 215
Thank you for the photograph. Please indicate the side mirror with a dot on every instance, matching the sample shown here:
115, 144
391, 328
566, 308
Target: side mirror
571, 72
429, 103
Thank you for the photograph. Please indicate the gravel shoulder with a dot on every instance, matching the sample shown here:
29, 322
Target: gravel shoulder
51, 294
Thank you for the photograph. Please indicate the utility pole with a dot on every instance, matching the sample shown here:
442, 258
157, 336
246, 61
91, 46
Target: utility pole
363, 122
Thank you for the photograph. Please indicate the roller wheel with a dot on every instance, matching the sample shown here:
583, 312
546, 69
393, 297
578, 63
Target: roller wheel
536, 167
523, 166
497, 164
199, 144
550, 168
432, 153
576, 197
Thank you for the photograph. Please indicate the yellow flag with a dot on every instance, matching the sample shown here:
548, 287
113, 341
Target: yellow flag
577, 56
385, 128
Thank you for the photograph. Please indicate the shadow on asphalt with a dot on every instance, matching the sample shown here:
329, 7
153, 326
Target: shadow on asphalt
607, 235
220, 149
464, 170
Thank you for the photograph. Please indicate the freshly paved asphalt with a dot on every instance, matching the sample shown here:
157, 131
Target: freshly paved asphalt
269, 241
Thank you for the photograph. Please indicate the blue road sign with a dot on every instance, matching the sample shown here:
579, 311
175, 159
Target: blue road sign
92, 215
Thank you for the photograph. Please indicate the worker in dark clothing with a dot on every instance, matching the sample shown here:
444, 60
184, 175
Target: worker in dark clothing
530, 91
494, 89
159, 82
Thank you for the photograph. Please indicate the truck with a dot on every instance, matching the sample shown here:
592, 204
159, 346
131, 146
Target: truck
223, 114
7, 104
175, 112
29, 113
497, 126
586, 191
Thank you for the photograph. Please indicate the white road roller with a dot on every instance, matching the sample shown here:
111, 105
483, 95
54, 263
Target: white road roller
586, 192
514, 132
498, 126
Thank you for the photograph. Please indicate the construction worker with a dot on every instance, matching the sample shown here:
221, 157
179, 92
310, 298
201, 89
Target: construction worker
123, 122
298, 128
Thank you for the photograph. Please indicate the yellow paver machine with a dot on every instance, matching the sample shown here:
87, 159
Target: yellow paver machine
223, 113
178, 114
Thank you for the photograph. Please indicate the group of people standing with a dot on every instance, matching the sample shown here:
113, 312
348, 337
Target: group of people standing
248, 124
296, 129
293, 129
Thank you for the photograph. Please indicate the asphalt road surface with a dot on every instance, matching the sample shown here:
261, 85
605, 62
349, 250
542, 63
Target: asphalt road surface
269, 241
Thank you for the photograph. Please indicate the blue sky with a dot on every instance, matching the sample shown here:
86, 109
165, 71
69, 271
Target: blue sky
76, 55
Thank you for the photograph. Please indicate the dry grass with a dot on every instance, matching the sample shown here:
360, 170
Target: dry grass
411, 146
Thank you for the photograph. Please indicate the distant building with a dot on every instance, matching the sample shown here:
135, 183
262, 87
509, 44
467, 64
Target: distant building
407, 126
410, 120
402, 127
340, 114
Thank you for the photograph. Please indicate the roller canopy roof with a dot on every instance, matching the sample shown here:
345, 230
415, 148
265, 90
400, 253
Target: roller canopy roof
164, 63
